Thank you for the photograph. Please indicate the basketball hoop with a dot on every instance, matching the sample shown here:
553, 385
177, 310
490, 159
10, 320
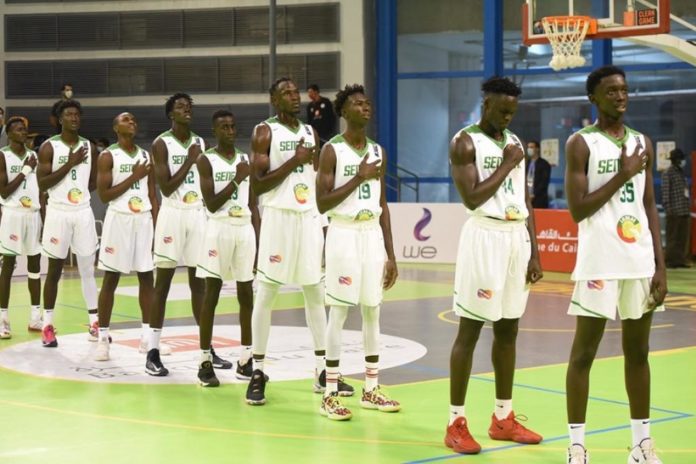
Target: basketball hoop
565, 34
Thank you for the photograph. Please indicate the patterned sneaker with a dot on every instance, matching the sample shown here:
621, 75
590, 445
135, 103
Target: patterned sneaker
5, 333
102, 353
94, 332
153, 364
255, 394
459, 439
577, 454
510, 430
48, 337
378, 399
343, 388
206, 375
35, 324
644, 452
218, 362
332, 408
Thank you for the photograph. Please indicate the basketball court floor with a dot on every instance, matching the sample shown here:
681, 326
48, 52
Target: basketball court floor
59, 406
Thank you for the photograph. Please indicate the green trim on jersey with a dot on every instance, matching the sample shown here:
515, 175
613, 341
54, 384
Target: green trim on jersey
340, 139
270, 278
475, 129
275, 120
112, 269
21, 158
588, 310
133, 155
165, 257
593, 129
213, 151
51, 255
58, 138
473, 315
218, 276
11, 252
340, 300
169, 133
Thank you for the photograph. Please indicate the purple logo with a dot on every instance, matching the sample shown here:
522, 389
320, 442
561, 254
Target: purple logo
422, 224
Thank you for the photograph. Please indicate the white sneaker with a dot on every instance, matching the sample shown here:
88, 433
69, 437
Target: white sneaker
577, 454
164, 349
35, 324
102, 353
644, 453
5, 333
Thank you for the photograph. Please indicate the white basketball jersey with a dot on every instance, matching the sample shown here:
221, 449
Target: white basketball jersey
26, 197
614, 242
236, 208
363, 203
508, 203
136, 199
188, 194
297, 191
73, 189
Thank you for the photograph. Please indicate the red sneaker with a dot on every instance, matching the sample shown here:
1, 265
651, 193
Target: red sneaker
459, 439
48, 337
511, 430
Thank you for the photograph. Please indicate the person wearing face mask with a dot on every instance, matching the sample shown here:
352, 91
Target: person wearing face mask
675, 200
538, 175
66, 93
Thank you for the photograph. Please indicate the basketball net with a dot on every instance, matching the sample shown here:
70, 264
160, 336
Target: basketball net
565, 34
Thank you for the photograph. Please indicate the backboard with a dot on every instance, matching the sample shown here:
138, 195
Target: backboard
615, 18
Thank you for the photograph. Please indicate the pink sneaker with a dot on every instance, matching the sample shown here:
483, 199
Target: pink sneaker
48, 337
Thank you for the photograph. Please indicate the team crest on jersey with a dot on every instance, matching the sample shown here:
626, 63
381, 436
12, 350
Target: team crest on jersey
345, 280
190, 197
13, 237
25, 202
109, 250
364, 215
212, 253
595, 284
512, 213
135, 204
75, 196
484, 294
235, 211
628, 228
301, 193
168, 239
275, 259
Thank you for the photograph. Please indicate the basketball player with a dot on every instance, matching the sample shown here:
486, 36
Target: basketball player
20, 226
181, 221
229, 249
291, 243
609, 183
126, 183
359, 249
496, 261
67, 170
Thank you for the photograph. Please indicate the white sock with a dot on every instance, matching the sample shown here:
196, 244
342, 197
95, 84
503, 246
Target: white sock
331, 380
337, 317
104, 334
261, 316
319, 363
455, 412
47, 317
146, 330
245, 355
577, 434
315, 314
206, 355
93, 317
370, 329
503, 408
371, 376
258, 364
4, 315
35, 311
154, 338
640, 430
85, 264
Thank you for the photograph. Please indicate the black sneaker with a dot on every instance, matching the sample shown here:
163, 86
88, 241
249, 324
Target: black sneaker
206, 375
343, 388
244, 372
256, 389
218, 362
153, 365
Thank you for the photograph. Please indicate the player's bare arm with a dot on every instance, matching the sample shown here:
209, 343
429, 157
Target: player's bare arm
658, 285
8, 188
463, 165
316, 154
390, 270
107, 191
264, 180
168, 182
255, 221
152, 194
534, 271
581, 203
48, 178
92, 183
328, 197
212, 200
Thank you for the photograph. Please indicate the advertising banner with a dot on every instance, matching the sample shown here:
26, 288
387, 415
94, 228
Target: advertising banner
557, 238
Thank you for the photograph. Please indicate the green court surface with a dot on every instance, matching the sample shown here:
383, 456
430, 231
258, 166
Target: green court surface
60, 421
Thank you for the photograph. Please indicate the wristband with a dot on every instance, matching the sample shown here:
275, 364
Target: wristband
26, 169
